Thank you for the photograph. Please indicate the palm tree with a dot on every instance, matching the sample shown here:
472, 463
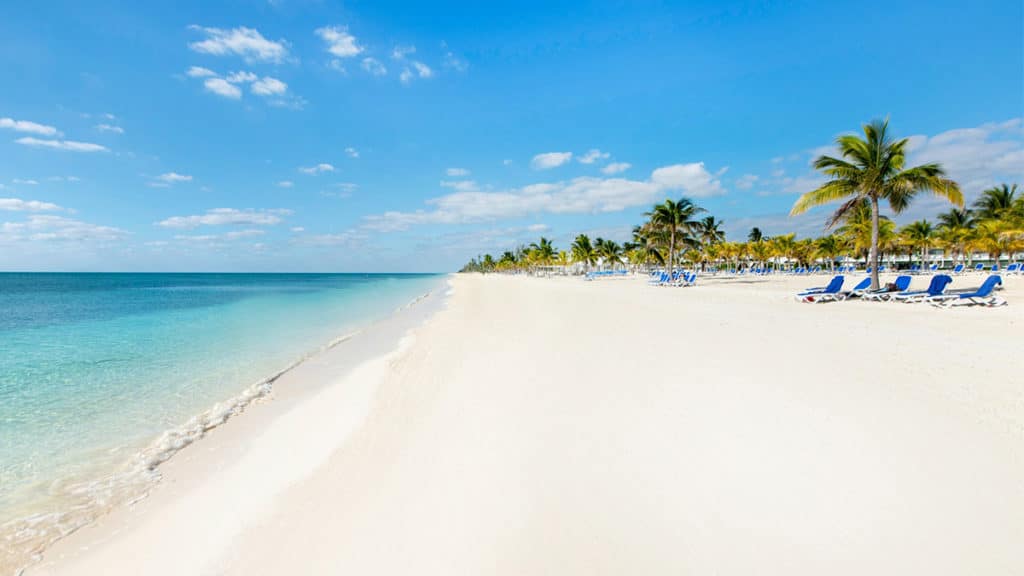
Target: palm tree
543, 251
832, 247
782, 246
873, 169
609, 251
583, 251
996, 202
919, 235
709, 230
674, 219
755, 235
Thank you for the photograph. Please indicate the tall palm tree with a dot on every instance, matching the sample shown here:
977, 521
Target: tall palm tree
583, 251
873, 168
996, 202
709, 230
919, 235
674, 218
755, 235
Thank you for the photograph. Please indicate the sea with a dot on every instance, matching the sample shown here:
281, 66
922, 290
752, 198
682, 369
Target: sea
103, 376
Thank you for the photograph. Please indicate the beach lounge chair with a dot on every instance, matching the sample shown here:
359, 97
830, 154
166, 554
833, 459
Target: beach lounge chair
860, 288
958, 269
936, 288
823, 293
933, 268
915, 268
979, 268
982, 296
901, 284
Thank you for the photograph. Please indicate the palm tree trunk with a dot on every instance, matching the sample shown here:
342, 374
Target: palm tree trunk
671, 249
874, 243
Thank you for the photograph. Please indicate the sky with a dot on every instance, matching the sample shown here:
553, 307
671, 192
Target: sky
301, 135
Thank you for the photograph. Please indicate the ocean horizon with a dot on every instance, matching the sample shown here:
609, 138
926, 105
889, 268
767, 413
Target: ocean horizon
104, 375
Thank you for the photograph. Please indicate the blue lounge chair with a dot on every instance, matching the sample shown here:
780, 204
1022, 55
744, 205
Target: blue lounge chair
901, 284
915, 268
936, 288
979, 268
958, 269
827, 292
982, 296
860, 288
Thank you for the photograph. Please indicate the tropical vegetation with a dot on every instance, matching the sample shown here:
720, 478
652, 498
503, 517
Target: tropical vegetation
868, 172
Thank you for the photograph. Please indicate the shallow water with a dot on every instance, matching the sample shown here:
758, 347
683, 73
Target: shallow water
96, 369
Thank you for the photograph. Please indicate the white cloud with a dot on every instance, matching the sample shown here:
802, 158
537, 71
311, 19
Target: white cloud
19, 205
225, 216
418, 69
460, 185
506, 162
592, 155
456, 172
245, 42
373, 66
64, 179
268, 86
455, 63
747, 181
352, 152
222, 87
318, 169
976, 157
199, 72
579, 195
422, 70
241, 77
616, 167
172, 177
27, 181
110, 128
339, 42
298, 229
227, 236
400, 52
550, 160
43, 228
693, 179
61, 145
29, 127
286, 184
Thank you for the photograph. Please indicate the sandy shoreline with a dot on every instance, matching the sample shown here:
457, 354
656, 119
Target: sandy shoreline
557, 426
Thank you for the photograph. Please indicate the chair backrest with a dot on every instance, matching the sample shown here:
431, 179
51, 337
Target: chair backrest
902, 283
938, 284
988, 285
979, 267
863, 284
958, 268
835, 285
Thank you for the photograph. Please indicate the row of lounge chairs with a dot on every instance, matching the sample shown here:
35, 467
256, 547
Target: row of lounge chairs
678, 278
900, 291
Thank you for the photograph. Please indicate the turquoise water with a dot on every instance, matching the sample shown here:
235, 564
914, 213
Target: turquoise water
95, 368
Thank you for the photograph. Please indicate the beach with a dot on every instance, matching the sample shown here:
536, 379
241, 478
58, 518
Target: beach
556, 426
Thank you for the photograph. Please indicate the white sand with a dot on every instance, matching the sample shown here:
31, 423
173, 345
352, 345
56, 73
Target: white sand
562, 427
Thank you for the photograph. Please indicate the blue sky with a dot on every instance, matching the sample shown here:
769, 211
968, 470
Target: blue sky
370, 136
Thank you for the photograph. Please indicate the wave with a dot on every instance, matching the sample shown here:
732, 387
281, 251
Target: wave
81, 502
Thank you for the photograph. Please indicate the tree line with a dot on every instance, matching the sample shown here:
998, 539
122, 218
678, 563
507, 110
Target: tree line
869, 171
